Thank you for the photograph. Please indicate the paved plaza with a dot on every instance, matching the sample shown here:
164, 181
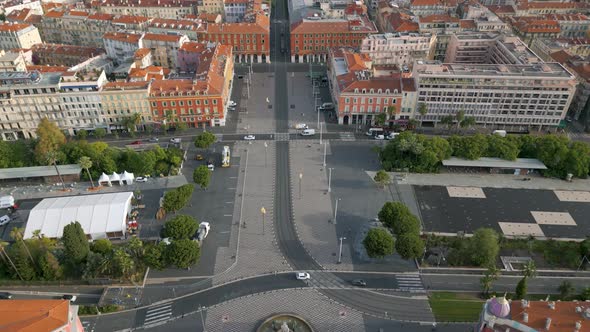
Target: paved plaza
244, 314
302, 102
255, 114
516, 212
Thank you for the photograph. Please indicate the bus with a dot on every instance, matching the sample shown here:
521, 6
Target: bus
225, 157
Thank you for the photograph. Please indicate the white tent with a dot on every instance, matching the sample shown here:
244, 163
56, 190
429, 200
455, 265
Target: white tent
104, 179
101, 216
127, 177
115, 177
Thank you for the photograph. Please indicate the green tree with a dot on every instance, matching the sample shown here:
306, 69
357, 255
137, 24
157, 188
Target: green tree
97, 265
409, 245
382, 178
136, 250
183, 253
180, 227
181, 126
76, 246
521, 289
380, 119
391, 111
51, 138
469, 147
492, 274
398, 217
529, 270
25, 267
566, 289
6, 256
204, 140
484, 247
460, 116
585, 248
16, 234
378, 243
578, 159
553, 151
422, 110
202, 176
154, 256
86, 163
123, 265
585, 295
502, 147
468, 122
49, 266
447, 120
100, 133
176, 199
82, 134
102, 246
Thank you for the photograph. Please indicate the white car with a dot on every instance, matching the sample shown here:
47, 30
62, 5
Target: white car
379, 137
249, 137
231, 103
391, 136
4, 220
211, 167
302, 276
175, 140
141, 179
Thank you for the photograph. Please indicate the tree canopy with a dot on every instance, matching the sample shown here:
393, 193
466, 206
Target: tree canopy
378, 243
409, 245
484, 247
76, 246
183, 253
202, 176
180, 227
204, 140
176, 199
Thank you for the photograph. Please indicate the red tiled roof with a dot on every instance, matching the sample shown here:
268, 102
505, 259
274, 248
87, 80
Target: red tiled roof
419, 3
331, 26
531, 24
78, 13
34, 315
409, 84
101, 17
129, 19
12, 27
439, 18
141, 52
566, 17
54, 13
48, 69
563, 317
467, 24
501, 9
130, 38
193, 47
18, 15
162, 37
561, 56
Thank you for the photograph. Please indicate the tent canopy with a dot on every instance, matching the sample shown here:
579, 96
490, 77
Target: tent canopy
104, 178
98, 215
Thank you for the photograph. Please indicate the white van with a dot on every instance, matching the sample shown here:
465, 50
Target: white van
375, 131
501, 133
301, 126
6, 202
308, 132
328, 106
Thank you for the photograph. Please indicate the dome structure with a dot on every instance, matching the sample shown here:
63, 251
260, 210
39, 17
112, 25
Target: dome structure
499, 307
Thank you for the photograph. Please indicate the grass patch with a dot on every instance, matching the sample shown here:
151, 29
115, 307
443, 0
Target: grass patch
455, 307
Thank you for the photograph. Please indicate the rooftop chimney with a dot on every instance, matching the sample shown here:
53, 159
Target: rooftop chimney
548, 323
578, 326
552, 305
525, 317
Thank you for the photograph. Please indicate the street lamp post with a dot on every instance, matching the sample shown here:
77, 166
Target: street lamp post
325, 149
336, 210
300, 178
340, 251
330, 179
265, 154
263, 213
321, 126
202, 320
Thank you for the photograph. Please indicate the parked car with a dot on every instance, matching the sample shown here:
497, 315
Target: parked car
203, 231
328, 106
141, 179
391, 135
210, 166
379, 137
199, 157
70, 297
302, 276
136, 143
175, 140
4, 220
231, 103
154, 139
359, 282
249, 137
301, 126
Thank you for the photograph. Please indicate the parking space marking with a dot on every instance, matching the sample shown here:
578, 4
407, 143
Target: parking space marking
572, 196
553, 218
521, 229
466, 192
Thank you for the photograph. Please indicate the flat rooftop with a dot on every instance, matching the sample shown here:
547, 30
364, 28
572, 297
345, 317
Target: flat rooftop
38, 171
550, 70
522, 163
29, 78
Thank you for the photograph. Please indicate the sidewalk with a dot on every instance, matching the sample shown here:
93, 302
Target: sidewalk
313, 210
257, 252
259, 118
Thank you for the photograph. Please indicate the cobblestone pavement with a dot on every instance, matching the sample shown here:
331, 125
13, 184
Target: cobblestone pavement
244, 314
258, 252
492, 180
259, 118
313, 211
302, 103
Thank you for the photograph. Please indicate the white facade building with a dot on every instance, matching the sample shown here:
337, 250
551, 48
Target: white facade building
17, 35
121, 46
398, 48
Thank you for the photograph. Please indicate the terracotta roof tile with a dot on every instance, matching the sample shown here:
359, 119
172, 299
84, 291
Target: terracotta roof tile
34, 315
54, 13
12, 27
129, 19
362, 26
18, 15
439, 18
48, 69
561, 56
563, 317
131, 38
78, 13
193, 47
502, 9
125, 86
101, 17
34, 19
419, 3
141, 52
162, 37
409, 84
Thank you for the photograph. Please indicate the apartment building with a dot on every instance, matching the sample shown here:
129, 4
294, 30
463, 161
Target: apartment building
34, 7
18, 35
428, 7
200, 101
483, 18
530, 28
544, 47
63, 55
173, 9
489, 47
532, 7
234, 10
12, 61
496, 93
443, 26
80, 99
121, 46
391, 18
189, 56
164, 48
210, 6
571, 25
181, 27
578, 66
123, 99
359, 91
75, 27
398, 48
311, 40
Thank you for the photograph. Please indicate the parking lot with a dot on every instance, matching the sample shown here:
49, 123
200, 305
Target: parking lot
445, 214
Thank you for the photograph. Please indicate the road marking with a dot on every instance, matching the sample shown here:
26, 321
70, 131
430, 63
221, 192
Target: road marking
228, 202
158, 315
233, 177
231, 188
228, 215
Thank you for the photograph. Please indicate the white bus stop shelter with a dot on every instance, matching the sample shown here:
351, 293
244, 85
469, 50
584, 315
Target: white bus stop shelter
101, 216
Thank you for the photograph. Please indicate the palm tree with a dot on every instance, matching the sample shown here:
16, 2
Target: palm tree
529, 270
86, 163
5, 255
391, 111
135, 120
17, 234
51, 158
488, 278
460, 116
423, 110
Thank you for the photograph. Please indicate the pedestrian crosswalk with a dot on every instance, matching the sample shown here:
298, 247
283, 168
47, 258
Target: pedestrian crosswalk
158, 315
409, 282
281, 136
347, 136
